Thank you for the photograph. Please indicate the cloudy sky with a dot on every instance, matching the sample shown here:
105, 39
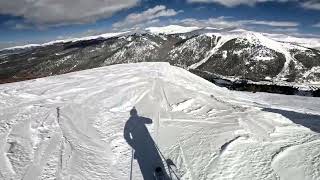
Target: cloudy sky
37, 21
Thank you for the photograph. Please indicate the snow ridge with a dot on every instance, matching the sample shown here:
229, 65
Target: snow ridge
77, 120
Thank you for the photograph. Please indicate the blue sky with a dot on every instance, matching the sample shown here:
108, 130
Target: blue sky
37, 21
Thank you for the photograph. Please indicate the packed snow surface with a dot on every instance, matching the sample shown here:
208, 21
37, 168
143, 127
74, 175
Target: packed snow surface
110, 122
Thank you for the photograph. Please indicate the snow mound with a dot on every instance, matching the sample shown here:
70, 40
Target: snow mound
82, 125
171, 29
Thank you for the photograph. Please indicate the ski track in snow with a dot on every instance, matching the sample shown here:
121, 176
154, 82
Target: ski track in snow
71, 127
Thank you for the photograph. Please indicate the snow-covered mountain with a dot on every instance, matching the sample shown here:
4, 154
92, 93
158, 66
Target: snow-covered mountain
231, 54
86, 38
306, 42
78, 126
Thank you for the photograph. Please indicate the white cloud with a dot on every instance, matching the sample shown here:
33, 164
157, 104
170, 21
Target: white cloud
313, 4
307, 4
232, 3
285, 30
60, 12
226, 22
271, 23
222, 22
219, 22
7, 44
148, 16
316, 25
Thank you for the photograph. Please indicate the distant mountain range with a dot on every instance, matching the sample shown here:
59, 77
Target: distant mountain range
230, 54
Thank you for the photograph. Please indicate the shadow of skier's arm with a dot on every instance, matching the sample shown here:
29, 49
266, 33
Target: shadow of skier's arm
127, 134
145, 120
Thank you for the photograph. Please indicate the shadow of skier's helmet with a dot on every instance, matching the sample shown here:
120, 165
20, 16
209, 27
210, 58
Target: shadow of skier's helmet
133, 112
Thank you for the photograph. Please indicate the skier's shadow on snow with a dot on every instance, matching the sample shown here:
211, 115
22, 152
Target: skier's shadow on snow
145, 150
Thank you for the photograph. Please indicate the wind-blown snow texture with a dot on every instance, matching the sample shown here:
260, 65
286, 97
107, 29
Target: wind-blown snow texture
71, 127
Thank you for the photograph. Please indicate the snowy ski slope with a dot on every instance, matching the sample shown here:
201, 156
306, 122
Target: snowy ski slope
72, 126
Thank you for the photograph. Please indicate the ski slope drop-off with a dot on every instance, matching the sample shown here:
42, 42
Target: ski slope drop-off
82, 125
